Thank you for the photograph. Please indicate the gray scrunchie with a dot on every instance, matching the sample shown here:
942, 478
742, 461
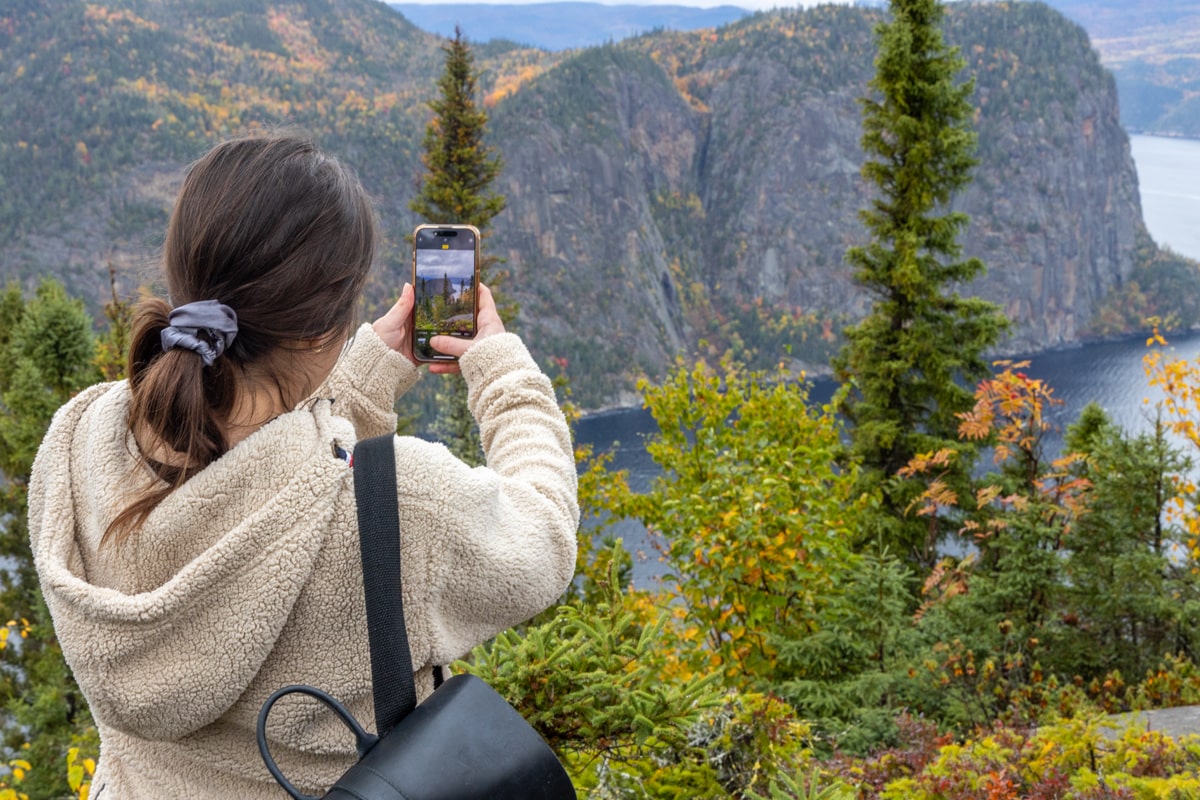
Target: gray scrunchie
185, 323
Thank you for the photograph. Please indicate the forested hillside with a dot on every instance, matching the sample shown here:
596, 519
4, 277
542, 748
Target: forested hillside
674, 189
105, 103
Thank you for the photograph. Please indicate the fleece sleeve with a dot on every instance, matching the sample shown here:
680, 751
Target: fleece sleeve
367, 381
489, 547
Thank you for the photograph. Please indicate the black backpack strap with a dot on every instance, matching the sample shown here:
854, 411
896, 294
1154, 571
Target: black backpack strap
379, 539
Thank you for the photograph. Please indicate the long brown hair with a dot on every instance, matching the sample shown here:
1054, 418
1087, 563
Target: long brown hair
282, 234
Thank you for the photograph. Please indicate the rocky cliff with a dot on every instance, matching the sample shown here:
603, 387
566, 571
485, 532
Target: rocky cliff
706, 169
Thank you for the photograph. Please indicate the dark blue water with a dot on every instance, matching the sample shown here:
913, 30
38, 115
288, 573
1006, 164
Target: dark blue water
1111, 374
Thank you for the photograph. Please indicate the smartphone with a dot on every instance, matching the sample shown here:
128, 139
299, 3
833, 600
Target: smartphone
446, 283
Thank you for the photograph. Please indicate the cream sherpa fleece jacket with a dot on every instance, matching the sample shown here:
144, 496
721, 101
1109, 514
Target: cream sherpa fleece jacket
248, 578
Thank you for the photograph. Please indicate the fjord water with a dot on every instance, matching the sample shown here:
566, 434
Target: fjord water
1169, 180
1110, 373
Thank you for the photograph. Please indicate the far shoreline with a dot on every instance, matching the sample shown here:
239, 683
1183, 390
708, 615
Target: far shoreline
1163, 135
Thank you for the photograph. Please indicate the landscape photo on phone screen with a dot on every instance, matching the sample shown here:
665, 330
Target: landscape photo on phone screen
445, 294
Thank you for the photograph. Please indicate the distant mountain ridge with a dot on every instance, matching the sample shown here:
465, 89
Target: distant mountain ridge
1151, 46
564, 25
675, 192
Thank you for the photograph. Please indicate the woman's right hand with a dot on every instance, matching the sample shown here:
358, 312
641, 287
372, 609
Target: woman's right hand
489, 324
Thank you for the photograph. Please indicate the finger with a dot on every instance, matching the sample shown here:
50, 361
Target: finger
403, 306
485, 295
489, 318
450, 345
487, 301
407, 299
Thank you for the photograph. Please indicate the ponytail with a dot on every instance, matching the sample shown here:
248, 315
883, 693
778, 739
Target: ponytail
177, 401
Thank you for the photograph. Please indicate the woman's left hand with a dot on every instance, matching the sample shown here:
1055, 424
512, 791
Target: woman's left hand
394, 326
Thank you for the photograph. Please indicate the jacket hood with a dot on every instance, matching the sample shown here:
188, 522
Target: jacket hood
256, 520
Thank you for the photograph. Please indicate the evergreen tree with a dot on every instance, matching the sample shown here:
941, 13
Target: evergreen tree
47, 353
907, 368
1128, 538
459, 167
455, 188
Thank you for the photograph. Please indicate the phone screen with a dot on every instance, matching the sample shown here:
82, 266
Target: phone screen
445, 277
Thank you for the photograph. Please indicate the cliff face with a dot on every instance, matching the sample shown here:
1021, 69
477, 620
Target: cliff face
669, 193
584, 163
1058, 230
684, 171
1055, 204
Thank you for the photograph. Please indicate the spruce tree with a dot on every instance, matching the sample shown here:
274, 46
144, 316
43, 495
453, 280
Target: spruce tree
906, 369
455, 188
459, 166
1130, 538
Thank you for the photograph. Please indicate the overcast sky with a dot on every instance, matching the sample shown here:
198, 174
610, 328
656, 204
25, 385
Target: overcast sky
451, 263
